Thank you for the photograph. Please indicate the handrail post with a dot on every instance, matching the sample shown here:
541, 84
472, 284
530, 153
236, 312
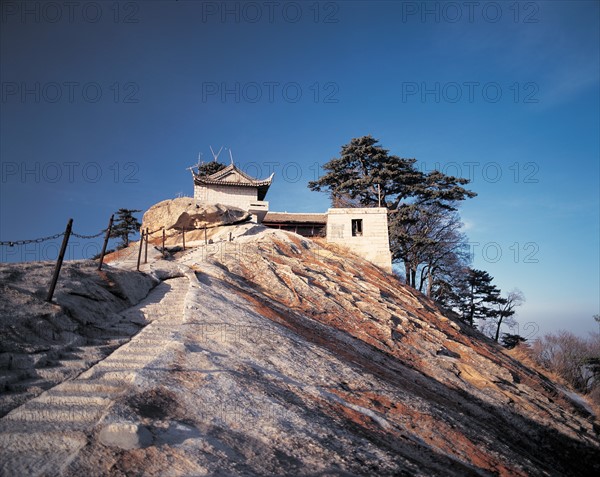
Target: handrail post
146, 247
140, 250
106, 237
59, 261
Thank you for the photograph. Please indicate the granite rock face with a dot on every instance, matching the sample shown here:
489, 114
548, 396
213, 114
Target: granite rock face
276, 355
44, 343
429, 390
184, 213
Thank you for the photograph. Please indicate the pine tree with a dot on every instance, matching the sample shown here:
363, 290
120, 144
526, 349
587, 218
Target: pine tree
366, 172
209, 168
125, 225
511, 340
505, 309
479, 297
429, 241
367, 175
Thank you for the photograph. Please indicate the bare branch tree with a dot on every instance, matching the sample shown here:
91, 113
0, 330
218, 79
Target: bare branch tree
505, 310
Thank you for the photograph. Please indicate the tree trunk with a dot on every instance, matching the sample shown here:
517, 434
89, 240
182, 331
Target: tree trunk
498, 329
422, 279
472, 307
429, 282
472, 316
407, 272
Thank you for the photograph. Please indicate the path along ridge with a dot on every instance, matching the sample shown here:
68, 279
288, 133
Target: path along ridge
42, 436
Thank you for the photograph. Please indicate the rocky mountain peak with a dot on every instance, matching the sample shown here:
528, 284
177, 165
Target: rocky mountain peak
267, 353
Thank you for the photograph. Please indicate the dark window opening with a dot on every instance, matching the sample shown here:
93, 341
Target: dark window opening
357, 229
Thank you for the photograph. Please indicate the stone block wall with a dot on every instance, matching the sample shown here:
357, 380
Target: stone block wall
240, 197
373, 244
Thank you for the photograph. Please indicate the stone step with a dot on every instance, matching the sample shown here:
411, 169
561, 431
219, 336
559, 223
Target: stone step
91, 377
56, 442
144, 341
77, 415
68, 399
131, 357
84, 388
56, 373
124, 364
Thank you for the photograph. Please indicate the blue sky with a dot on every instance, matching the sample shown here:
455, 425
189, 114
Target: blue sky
104, 105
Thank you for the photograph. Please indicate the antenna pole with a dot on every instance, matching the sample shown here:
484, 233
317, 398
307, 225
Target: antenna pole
215, 156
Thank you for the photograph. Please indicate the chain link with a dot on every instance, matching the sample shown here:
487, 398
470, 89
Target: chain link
177, 231
81, 236
172, 234
89, 236
12, 243
37, 240
157, 230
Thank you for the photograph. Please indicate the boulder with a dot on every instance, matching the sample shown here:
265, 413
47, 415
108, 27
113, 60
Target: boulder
184, 213
125, 436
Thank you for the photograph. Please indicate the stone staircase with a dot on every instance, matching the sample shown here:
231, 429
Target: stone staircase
42, 436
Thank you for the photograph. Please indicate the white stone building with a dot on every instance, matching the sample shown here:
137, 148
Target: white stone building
363, 230
231, 186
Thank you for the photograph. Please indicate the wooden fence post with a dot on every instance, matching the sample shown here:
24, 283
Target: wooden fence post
106, 237
59, 261
183, 231
140, 250
205, 239
163, 243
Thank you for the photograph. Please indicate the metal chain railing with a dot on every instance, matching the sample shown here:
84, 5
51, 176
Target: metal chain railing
154, 231
107, 231
12, 243
89, 236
